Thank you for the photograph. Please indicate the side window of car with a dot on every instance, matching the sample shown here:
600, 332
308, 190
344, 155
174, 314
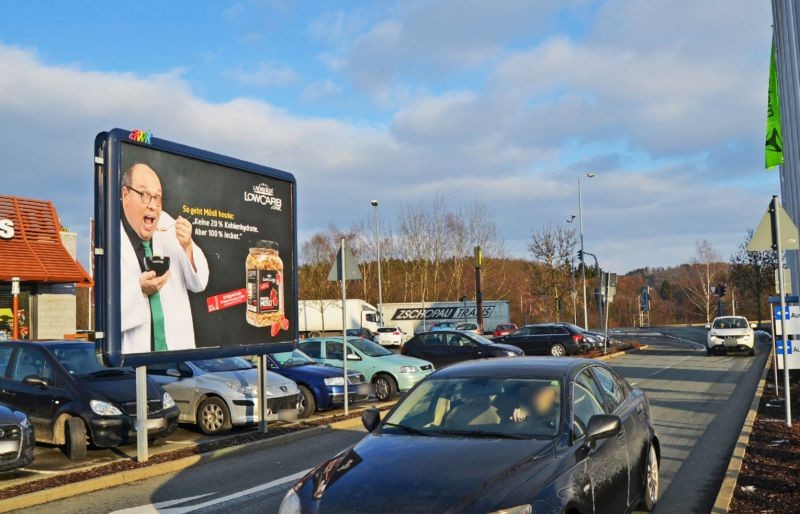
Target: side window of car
433, 340
610, 386
333, 350
539, 331
5, 359
31, 362
587, 401
311, 348
161, 369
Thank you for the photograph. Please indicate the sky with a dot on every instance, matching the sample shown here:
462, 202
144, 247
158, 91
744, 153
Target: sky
502, 101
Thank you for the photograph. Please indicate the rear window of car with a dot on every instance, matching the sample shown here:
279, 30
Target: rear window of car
311, 348
387, 330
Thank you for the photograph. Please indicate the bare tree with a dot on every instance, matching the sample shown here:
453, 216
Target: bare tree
552, 247
702, 273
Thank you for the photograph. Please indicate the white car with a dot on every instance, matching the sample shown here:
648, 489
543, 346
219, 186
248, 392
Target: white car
731, 333
390, 336
467, 326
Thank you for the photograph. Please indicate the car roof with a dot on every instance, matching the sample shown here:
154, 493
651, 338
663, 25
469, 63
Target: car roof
50, 344
517, 367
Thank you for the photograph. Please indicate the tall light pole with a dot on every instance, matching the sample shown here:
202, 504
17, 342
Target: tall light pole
583, 263
374, 203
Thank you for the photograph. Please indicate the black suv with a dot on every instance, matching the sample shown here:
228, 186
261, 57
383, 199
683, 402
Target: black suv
443, 347
69, 396
553, 339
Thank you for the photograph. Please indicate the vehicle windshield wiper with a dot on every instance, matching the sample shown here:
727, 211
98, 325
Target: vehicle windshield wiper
480, 433
109, 372
407, 429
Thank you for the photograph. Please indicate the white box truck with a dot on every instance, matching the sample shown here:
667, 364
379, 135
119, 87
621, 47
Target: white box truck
320, 317
415, 317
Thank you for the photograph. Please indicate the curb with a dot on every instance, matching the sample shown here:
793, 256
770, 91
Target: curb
620, 354
728, 487
132, 475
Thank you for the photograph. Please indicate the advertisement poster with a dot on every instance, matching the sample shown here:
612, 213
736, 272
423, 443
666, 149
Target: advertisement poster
206, 253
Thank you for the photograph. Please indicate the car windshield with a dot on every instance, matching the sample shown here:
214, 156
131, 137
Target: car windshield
369, 348
466, 326
81, 360
480, 339
292, 359
723, 323
353, 331
516, 408
223, 364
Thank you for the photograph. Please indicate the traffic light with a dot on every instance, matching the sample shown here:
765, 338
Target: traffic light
722, 290
580, 255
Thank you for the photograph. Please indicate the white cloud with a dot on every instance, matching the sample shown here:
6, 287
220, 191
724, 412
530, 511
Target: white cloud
265, 74
320, 90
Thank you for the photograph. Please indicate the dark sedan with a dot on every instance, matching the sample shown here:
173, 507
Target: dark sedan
553, 339
502, 435
444, 347
321, 387
16, 439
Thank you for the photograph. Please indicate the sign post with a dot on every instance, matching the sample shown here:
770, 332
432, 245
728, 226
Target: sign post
777, 231
344, 269
478, 292
15, 307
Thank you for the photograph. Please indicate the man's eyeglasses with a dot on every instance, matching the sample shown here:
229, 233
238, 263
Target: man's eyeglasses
147, 197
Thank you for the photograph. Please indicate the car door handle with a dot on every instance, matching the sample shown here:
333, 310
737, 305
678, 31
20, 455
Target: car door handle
9, 393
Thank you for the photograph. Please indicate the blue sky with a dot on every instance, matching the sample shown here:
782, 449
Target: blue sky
504, 101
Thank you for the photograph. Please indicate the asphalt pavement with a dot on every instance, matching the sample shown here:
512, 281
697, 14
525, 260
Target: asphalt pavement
698, 404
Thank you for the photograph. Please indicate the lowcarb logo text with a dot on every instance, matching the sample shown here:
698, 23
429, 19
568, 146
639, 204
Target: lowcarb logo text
264, 195
440, 313
6, 229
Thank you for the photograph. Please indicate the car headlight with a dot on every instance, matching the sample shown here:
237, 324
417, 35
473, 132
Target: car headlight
511, 354
246, 390
290, 503
408, 369
167, 401
334, 381
104, 408
519, 509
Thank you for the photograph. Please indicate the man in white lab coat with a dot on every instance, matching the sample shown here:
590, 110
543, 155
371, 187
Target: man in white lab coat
156, 315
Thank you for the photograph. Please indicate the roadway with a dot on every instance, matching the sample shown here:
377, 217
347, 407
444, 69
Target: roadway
698, 404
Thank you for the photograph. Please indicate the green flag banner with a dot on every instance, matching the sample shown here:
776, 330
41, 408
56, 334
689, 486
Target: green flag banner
773, 151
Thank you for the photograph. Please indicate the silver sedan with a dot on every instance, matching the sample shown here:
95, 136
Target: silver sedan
217, 394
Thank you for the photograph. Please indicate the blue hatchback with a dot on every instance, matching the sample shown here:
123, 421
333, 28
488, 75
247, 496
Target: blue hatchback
322, 387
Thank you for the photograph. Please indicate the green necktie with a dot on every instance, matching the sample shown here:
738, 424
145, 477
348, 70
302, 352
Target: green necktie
159, 338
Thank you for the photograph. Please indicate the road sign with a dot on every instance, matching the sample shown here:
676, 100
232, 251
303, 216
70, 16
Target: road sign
764, 236
791, 320
792, 355
352, 271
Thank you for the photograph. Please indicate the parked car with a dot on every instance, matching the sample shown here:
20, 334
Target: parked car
730, 333
389, 336
321, 387
388, 372
469, 327
359, 332
444, 347
503, 329
443, 325
217, 394
530, 435
70, 398
16, 438
552, 339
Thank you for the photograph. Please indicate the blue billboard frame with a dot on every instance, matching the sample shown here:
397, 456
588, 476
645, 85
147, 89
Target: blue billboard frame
107, 212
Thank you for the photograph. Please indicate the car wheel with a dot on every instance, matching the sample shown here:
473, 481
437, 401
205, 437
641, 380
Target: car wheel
385, 387
307, 403
558, 350
651, 481
75, 439
213, 416
752, 352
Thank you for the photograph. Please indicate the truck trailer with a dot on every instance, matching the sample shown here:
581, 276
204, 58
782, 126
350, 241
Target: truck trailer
324, 317
415, 317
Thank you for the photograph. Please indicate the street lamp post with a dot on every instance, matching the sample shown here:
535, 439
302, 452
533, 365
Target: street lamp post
378, 246
583, 263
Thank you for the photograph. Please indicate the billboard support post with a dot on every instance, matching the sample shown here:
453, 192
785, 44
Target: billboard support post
345, 350
15, 307
141, 414
263, 403
776, 229
478, 292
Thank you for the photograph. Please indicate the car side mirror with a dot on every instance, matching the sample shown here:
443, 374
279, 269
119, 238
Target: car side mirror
174, 373
353, 357
37, 381
708, 327
370, 418
753, 326
602, 426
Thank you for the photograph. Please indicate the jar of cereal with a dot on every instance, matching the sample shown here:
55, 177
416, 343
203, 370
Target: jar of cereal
264, 272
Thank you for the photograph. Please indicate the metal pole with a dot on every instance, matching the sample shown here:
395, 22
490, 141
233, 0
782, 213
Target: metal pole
345, 349
774, 352
733, 302
608, 308
141, 414
378, 244
782, 292
15, 308
583, 260
263, 399
602, 299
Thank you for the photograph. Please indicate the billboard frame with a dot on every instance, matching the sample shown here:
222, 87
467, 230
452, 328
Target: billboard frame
107, 213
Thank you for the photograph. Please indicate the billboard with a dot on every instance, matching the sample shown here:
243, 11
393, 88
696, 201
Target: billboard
197, 252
